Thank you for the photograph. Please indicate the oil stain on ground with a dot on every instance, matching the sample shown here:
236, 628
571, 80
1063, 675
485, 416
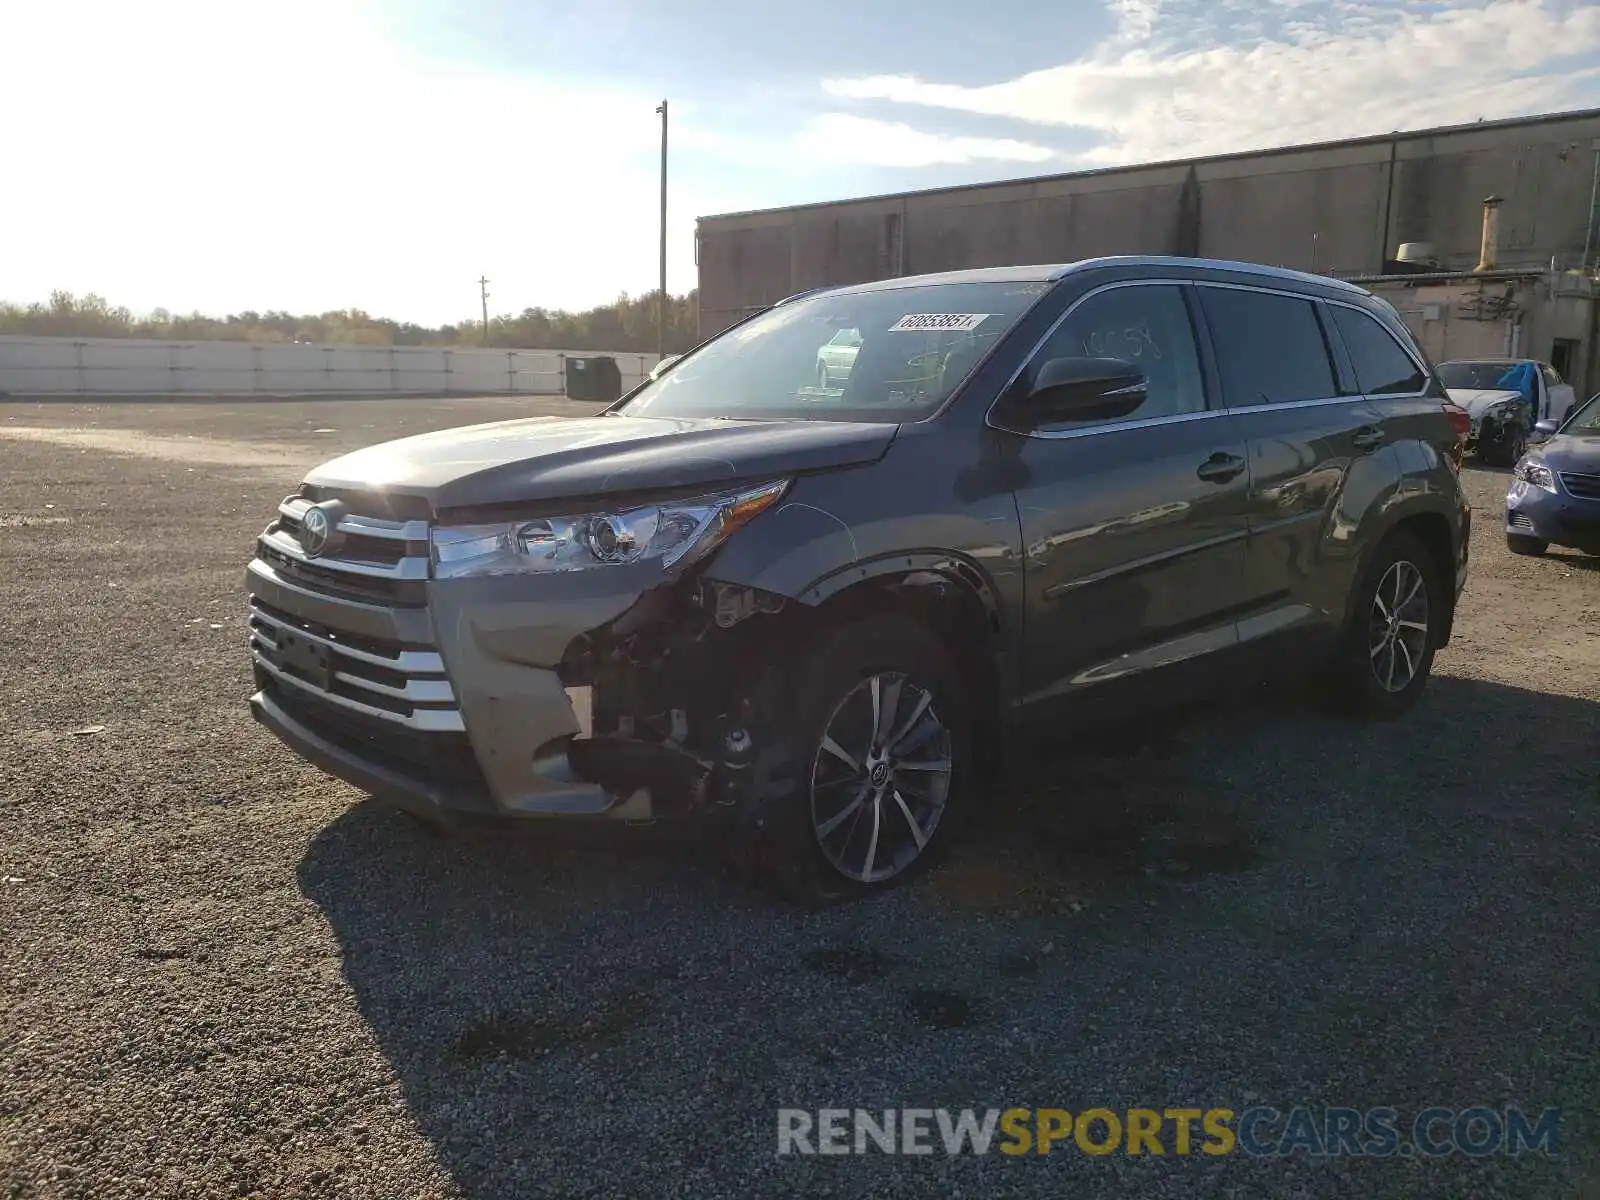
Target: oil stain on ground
523, 1035
936, 1008
850, 964
1084, 819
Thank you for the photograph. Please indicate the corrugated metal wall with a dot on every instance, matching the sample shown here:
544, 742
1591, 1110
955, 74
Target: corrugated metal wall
1342, 207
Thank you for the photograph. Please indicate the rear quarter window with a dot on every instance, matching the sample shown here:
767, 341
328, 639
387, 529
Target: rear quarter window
1382, 366
1269, 347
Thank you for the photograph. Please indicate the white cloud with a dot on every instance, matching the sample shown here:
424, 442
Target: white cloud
213, 155
833, 139
1328, 72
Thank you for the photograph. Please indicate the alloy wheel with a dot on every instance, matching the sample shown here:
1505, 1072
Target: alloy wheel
880, 778
1398, 630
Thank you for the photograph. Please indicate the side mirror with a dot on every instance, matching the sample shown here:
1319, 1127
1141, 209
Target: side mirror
1081, 389
1543, 431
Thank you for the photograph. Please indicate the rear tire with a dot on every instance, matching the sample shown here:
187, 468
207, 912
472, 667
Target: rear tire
863, 803
1386, 652
1521, 543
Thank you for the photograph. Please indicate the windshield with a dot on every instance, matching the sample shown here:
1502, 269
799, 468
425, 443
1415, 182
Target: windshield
1478, 376
1586, 420
890, 355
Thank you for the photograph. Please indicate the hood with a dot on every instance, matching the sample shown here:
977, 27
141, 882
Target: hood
552, 458
1477, 401
1570, 452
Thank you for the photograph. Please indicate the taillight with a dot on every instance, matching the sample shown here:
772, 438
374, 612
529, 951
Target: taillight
1460, 420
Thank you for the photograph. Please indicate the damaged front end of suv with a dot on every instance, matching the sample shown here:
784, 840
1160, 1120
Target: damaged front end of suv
549, 665
706, 601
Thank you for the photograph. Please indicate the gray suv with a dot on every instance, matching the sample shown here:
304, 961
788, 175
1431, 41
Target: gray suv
1040, 496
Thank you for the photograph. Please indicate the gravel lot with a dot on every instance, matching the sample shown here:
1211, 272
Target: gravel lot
222, 974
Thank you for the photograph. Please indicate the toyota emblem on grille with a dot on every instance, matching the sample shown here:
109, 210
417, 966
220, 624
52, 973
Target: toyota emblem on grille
315, 528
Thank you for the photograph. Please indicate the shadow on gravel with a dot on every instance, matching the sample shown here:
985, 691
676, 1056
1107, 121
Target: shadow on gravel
1261, 898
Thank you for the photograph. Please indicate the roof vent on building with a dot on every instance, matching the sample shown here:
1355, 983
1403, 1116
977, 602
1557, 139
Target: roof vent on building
1421, 253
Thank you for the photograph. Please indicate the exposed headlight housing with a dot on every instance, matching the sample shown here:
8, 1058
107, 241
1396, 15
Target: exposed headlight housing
1535, 473
670, 533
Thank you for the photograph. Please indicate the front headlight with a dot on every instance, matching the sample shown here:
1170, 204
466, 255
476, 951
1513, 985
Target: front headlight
1536, 473
671, 532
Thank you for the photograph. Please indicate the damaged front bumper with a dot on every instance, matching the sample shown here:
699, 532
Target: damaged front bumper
615, 693
1492, 430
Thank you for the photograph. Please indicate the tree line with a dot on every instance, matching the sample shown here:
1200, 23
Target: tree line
626, 324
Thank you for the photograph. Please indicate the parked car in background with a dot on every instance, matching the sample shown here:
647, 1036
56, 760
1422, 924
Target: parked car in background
1042, 497
1555, 488
836, 356
1505, 397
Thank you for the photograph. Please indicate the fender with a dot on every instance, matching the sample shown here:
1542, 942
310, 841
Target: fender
1384, 518
783, 575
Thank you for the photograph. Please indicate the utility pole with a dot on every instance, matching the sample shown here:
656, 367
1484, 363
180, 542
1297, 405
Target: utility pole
483, 293
661, 298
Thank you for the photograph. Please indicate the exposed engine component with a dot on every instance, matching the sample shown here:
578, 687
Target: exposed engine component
679, 703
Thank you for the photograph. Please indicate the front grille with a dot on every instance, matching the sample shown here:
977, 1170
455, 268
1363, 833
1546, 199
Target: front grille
1583, 486
368, 559
358, 547
308, 645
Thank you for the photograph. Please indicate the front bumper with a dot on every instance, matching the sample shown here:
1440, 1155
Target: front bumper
411, 788
1555, 517
442, 698
1490, 430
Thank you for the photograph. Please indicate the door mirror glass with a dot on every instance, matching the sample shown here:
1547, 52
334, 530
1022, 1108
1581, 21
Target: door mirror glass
1083, 389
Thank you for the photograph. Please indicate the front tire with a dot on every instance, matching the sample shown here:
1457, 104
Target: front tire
822, 377
1521, 543
1507, 451
1386, 652
880, 737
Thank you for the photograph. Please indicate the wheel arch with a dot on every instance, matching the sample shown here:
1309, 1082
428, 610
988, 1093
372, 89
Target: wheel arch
1431, 526
946, 592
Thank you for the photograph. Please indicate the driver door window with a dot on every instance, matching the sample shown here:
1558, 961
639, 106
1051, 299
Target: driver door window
1145, 324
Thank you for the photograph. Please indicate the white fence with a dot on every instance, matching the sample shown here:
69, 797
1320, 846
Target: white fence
32, 366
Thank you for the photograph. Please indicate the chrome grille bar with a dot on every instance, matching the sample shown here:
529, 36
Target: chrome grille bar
424, 720
410, 662
413, 567
294, 508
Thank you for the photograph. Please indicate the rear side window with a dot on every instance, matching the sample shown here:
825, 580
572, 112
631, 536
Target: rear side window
1270, 348
1381, 365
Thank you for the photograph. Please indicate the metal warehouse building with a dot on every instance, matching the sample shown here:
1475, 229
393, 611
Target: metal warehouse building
1344, 208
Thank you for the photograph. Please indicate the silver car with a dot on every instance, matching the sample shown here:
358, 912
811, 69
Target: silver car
836, 357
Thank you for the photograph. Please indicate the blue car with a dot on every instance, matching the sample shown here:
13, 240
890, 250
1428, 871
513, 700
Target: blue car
1555, 488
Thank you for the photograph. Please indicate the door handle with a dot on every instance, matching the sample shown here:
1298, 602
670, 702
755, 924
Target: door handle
1220, 467
1368, 437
